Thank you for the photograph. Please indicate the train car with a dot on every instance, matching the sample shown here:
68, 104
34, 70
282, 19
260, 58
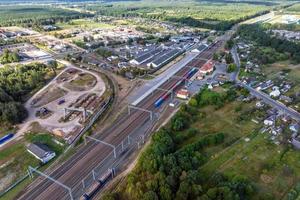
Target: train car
6, 138
97, 185
92, 190
187, 75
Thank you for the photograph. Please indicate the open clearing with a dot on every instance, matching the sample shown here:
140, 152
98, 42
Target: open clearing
82, 82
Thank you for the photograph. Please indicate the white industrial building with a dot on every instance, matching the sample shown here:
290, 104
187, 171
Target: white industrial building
41, 152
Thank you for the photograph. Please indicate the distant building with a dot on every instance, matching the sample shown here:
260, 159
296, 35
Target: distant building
41, 152
207, 68
295, 128
201, 48
270, 121
259, 104
182, 94
164, 58
144, 57
275, 93
286, 99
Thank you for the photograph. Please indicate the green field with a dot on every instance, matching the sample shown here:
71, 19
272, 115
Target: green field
14, 160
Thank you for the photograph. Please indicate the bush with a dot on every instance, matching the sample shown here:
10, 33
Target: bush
231, 68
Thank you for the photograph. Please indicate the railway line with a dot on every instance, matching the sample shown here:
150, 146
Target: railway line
88, 157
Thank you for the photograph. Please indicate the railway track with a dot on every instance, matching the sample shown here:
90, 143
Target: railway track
87, 157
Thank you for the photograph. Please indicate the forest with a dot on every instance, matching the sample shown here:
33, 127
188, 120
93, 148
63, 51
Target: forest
258, 34
170, 167
220, 16
15, 85
35, 16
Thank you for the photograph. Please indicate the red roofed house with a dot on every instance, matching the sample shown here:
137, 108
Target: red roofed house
182, 94
207, 68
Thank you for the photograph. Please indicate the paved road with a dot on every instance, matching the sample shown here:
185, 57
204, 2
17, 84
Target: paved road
261, 95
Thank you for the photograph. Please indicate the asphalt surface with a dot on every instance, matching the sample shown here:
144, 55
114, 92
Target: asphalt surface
88, 157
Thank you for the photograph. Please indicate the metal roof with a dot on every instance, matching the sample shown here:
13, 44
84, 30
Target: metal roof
38, 149
166, 57
148, 55
201, 47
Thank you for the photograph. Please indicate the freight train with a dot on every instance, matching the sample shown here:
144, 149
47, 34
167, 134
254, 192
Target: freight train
187, 75
98, 184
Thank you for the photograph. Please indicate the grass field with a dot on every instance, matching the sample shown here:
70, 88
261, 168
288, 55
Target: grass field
293, 71
292, 74
14, 160
273, 169
224, 120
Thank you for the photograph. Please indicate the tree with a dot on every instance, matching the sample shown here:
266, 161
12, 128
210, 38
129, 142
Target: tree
231, 68
53, 65
193, 102
150, 195
228, 58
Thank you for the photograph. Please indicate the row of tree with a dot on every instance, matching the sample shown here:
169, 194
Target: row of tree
16, 83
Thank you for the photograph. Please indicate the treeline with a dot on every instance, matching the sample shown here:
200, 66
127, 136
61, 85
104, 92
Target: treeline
36, 16
220, 25
15, 85
259, 35
171, 169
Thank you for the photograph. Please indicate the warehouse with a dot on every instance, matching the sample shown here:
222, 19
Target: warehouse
165, 58
146, 56
41, 152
